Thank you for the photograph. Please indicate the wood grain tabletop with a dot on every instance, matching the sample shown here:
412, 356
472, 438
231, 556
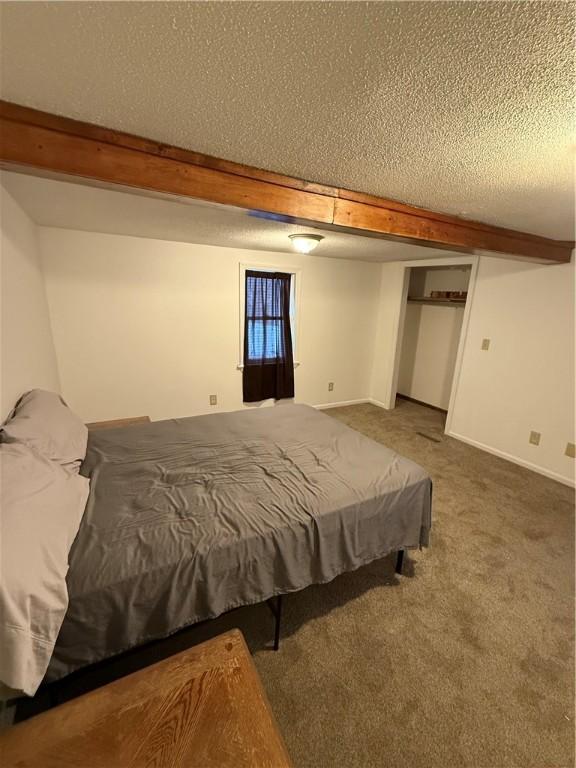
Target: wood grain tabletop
202, 708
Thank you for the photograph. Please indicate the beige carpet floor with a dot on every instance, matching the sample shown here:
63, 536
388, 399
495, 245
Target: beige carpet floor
465, 661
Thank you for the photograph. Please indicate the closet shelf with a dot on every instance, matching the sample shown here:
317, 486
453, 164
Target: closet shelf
429, 300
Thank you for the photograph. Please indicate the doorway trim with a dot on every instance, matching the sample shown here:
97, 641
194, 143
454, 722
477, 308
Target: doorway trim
472, 262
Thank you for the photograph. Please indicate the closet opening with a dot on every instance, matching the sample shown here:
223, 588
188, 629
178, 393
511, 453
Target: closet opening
433, 320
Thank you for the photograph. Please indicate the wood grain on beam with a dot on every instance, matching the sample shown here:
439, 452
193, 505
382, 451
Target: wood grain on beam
45, 143
394, 205
26, 116
456, 233
76, 155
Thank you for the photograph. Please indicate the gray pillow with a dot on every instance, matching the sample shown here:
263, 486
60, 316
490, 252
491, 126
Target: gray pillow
43, 421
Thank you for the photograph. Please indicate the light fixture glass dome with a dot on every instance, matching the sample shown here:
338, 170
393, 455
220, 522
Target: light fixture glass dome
305, 243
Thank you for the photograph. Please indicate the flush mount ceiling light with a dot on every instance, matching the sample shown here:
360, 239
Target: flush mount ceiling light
305, 243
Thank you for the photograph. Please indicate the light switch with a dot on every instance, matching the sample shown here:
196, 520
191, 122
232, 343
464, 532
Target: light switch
485, 344
534, 438
570, 450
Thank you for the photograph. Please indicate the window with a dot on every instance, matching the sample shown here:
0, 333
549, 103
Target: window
268, 313
295, 281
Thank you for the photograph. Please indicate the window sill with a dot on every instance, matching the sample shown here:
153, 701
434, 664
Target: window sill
240, 366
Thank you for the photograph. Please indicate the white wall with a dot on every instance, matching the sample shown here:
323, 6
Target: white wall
429, 349
525, 381
28, 357
389, 323
151, 327
442, 279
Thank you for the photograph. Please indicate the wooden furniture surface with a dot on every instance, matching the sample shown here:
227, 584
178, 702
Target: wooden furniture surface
113, 423
202, 708
40, 143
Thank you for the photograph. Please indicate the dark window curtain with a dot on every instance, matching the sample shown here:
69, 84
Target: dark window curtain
268, 360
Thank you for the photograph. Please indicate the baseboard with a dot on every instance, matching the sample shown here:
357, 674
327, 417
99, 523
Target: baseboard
377, 403
421, 402
515, 460
370, 400
342, 403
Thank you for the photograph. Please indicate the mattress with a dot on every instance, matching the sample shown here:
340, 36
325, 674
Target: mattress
188, 518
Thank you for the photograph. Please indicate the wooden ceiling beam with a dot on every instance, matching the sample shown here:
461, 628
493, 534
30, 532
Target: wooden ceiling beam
39, 142
455, 234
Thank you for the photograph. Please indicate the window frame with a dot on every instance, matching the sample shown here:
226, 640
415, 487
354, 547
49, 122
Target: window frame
295, 297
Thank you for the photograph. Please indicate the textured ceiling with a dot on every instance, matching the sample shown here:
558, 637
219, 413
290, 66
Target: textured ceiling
53, 203
462, 107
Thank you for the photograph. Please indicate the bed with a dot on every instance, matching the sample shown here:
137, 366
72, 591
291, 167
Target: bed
189, 518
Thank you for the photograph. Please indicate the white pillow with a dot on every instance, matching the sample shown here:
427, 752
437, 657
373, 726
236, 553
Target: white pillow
43, 421
41, 506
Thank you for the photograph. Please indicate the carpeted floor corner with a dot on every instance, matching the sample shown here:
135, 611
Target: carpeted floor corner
467, 660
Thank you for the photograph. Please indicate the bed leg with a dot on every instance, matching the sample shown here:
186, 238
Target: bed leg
278, 616
399, 561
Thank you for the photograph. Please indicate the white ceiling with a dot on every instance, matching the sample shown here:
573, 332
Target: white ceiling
462, 107
54, 203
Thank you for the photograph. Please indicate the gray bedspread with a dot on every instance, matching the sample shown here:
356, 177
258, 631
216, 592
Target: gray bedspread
188, 518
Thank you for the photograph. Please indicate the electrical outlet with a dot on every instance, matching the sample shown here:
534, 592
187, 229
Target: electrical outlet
534, 438
330, 386
213, 400
485, 344
570, 450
